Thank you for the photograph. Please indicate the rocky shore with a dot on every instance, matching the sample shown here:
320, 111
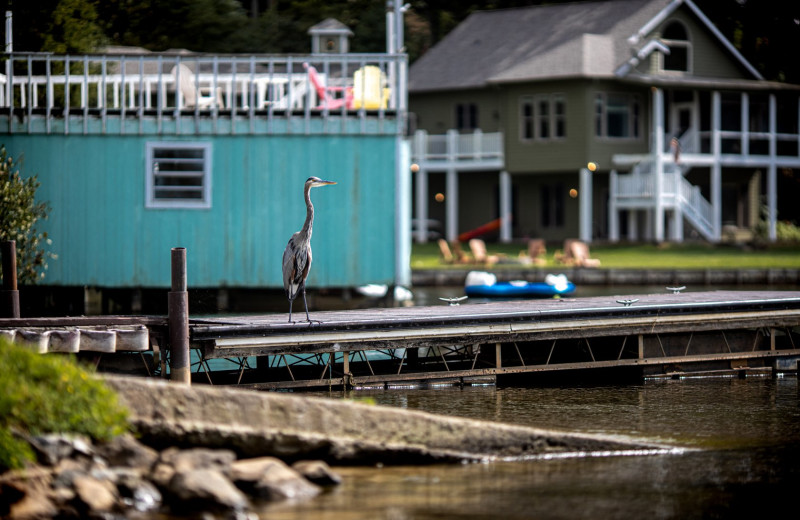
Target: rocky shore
219, 452
127, 479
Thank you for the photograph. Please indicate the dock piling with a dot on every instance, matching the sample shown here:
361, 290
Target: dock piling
180, 370
9, 303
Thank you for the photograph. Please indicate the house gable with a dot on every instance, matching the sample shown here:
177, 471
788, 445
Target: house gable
709, 57
585, 39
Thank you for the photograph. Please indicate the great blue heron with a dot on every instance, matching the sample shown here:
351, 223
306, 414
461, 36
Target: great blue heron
297, 255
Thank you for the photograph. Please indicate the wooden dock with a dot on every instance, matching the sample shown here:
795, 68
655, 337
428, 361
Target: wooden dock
514, 342
521, 342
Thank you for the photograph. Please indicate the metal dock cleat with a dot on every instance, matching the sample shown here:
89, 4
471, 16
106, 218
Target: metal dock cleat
454, 301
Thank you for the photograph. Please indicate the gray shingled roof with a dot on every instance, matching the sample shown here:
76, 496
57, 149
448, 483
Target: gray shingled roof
550, 41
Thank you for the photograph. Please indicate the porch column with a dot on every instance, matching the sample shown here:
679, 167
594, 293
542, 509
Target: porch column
716, 169
658, 147
422, 205
745, 124
451, 204
633, 224
677, 224
585, 208
418, 168
505, 207
613, 212
772, 171
647, 234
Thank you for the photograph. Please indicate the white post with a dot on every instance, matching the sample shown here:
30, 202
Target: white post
451, 185
403, 212
613, 212
585, 205
677, 222
745, 124
716, 169
772, 172
422, 205
420, 152
505, 207
658, 148
451, 204
9, 49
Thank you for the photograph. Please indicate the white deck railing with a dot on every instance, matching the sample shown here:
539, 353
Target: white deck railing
56, 85
453, 148
638, 189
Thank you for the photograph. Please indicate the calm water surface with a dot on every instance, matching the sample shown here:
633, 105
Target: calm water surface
741, 456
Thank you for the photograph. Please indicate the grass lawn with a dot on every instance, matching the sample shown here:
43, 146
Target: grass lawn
647, 256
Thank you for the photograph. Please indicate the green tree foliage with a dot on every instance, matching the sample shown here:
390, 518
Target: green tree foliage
766, 33
60, 26
51, 393
19, 215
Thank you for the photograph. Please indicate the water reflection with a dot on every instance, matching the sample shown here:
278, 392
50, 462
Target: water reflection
743, 458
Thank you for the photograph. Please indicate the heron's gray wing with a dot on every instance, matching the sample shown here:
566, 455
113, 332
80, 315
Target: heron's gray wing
296, 264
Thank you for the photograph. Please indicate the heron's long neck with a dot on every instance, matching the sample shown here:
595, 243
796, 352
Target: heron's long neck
309, 223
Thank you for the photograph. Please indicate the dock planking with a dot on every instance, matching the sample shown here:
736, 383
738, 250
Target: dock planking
424, 326
656, 335
650, 333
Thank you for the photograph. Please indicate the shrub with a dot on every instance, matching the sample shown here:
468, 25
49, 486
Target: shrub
19, 216
51, 393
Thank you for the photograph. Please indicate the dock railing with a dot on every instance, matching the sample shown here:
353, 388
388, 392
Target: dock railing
168, 85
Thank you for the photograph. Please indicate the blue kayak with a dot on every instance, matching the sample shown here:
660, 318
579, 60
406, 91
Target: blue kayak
520, 290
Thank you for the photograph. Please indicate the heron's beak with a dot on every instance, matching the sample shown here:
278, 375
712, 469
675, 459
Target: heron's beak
322, 183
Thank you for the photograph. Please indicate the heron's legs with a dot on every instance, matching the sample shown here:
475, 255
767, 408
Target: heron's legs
291, 302
308, 319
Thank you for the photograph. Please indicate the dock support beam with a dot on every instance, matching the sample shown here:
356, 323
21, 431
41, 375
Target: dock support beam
9, 304
180, 369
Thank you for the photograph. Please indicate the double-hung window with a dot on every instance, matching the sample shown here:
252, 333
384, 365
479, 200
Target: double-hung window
542, 117
466, 116
617, 116
178, 175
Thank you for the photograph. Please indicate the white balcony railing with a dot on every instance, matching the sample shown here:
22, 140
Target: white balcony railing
453, 149
349, 85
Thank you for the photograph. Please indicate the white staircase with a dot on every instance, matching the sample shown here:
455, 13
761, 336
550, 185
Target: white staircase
637, 190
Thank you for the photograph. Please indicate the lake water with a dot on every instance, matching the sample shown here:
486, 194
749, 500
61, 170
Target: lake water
738, 450
739, 456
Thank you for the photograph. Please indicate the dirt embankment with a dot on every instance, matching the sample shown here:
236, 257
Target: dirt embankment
293, 427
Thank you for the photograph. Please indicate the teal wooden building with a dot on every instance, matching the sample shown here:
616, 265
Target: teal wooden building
140, 153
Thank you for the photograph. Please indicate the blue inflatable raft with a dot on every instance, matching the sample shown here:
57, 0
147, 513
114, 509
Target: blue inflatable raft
485, 285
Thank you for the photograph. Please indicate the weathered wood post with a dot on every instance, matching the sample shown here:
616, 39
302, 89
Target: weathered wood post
9, 301
180, 368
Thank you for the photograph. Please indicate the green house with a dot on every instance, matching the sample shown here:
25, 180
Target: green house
613, 120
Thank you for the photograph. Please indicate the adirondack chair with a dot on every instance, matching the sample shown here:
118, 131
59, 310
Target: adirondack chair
576, 253
193, 96
536, 251
580, 252
331, 98
368, 88
478, 248
454, 256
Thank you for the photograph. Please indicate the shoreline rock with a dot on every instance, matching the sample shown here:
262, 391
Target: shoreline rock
127, 478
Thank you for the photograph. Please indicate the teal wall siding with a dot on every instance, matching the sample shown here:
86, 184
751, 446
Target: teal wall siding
104, 236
